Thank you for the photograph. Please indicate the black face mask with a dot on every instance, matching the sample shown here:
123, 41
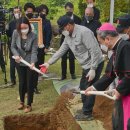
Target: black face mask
29, 15
69, 13
43, 16
89, 18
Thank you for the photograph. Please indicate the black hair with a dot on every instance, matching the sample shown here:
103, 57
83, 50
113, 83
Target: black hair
42, 7
21, 21
29, 5
69, 4
18, 7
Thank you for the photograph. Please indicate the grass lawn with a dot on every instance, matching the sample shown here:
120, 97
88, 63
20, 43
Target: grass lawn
42, 102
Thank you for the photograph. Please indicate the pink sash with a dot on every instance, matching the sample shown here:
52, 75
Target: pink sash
126, 110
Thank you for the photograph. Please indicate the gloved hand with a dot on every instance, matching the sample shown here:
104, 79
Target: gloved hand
45, 65
91, 75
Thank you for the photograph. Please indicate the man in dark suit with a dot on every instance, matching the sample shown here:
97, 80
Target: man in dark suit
91, 3
17, 12
89, 21
69, 8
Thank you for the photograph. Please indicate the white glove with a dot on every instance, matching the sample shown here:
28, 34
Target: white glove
91, 75
45, 64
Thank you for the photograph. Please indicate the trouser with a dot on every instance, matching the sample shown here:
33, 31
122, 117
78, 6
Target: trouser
70, 54
12, 70
26, 84
88, 101
2, 63
41, 59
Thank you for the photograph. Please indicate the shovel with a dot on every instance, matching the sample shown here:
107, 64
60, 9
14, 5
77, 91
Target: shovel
107, 94
34, 68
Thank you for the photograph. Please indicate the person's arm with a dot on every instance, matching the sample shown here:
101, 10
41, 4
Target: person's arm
92, 45
34, 51
107, 78
124, 84
48, 34
63, 49
13, 44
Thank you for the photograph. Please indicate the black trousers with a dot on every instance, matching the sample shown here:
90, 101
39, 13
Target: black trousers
69, 54
12, 70
41, 59
26, 84
2, 62
88, 101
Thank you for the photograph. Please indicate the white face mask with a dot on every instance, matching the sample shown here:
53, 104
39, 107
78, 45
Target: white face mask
124, 36
65, 33
24, 31
17, 16
90, 5
104, 48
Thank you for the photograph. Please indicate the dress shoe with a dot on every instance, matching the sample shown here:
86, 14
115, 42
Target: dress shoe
21, 106
36, 91
13, 83
73, 76
28, 109
63, 78
83, 117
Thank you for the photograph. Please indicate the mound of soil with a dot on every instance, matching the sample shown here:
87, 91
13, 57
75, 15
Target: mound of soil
103, 111
59, 118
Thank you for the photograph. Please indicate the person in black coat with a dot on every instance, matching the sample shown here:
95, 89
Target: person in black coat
123, 27
17, 12
118, 66
89, 21
43, 11
69, 8
91, 3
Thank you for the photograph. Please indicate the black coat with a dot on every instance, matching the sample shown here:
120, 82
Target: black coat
92, 25
119, 64
47, 32
96, 13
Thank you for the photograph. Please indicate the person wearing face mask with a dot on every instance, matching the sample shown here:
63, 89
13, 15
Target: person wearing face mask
24, 45
29, 9
91, 60
69, 8
91, 3
89, 21
43, 11
117, 67
123, 27
17, 12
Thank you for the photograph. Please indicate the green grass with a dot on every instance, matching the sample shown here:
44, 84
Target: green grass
42, 102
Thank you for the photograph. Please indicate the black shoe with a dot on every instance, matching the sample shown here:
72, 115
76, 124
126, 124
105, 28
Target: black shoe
63, 78
73, 76
82, 117
13, 83
36, 91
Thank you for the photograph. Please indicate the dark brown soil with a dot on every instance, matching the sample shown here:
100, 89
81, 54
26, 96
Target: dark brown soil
103, 111
59, 118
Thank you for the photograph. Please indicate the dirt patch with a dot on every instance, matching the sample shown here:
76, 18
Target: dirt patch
103, 111
59, 118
